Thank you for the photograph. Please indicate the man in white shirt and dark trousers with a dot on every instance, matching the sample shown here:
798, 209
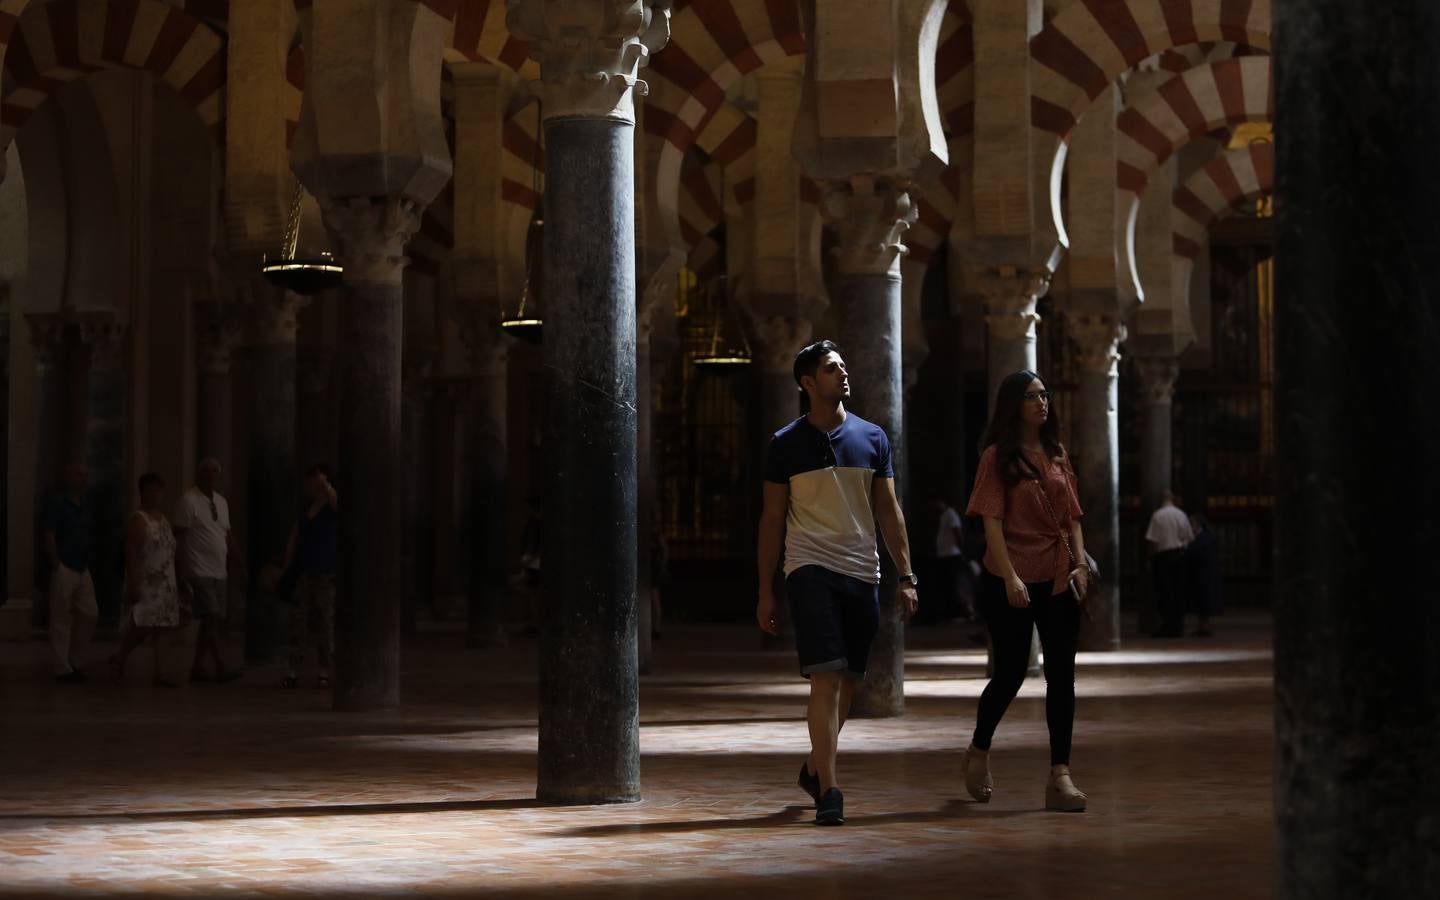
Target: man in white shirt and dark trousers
202, 557
1167, 535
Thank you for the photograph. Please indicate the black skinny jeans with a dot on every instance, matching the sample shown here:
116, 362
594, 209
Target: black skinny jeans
1058, 620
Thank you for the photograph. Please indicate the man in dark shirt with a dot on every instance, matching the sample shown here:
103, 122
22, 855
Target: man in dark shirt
68, 525
829, 482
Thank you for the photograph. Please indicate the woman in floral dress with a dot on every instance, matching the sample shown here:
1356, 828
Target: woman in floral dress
151, 593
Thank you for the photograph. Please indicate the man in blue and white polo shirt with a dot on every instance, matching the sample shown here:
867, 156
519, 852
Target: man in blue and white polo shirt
828, 482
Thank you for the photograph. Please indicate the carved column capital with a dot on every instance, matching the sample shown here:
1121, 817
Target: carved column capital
1010, 293
47, 335
1097, 342
371, 233
487, 346
1157, 376
104, 333
217, 332
275, 313
776, 339
869, 213
590, 51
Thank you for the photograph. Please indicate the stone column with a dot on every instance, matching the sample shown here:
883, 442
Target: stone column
416, 539
4, 443
47, 331
1357, 676
644, 497
1096, 453
316, 403
217, 332
104, 334
371, 234
1010, 293
869, 216
1156, 396
488, 452
450, 510
589, 705
274, 479
775, 339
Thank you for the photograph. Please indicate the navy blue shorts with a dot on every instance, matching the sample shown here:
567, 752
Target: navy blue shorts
835, 618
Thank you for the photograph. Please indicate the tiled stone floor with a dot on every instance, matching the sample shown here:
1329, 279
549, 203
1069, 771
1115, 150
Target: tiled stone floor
249, 790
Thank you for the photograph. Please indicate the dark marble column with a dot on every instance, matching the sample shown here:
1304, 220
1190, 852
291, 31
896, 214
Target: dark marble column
104, 335
217, 332
1156, 395
489, 451
645, 500
1357, 673
417, 546
450, 489
775, 339
1096, 454
869, 216
487, 457
589, 736
274, 479
316, 406
4, 442
47, 338
589, 699
371, 235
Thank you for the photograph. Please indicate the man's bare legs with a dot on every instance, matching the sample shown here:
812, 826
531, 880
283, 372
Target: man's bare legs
830, 696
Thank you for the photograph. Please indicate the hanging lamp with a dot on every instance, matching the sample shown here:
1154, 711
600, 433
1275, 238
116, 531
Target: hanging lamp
526, 324
728, 349
306, 276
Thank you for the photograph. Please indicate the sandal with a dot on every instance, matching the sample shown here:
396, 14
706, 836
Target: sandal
289, 681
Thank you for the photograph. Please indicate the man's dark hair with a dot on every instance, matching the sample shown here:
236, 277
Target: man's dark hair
150, 479
808, 360
318, 469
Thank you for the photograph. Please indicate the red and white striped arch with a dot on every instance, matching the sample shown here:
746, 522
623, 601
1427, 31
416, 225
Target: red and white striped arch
65, 40
1090, 43
480, 35
1208, 195
712, 43
1203, 99
938, 205
1158, 123
955, 71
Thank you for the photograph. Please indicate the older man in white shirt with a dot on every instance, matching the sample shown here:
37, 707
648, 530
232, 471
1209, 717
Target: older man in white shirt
1168, 534
203, 555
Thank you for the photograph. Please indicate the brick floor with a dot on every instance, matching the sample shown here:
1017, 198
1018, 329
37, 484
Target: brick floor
245, 789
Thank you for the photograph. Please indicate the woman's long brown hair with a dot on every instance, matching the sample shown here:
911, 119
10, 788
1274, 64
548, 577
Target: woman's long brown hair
1006, 429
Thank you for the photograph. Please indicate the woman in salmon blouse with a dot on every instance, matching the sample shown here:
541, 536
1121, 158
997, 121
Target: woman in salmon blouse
1035, 574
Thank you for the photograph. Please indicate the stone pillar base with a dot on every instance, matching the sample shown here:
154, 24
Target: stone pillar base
15, 619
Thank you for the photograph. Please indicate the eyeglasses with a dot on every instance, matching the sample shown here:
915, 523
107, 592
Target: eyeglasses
1042, 396
214, 513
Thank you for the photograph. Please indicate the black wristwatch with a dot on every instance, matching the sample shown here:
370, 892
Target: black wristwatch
909, 579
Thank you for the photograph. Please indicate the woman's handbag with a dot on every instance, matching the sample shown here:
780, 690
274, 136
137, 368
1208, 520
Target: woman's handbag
1065, 538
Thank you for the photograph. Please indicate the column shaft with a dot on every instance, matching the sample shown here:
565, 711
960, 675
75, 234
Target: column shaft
1097, 455
274, 482
589, 705
867, 315
644, 505
367, 584
105, 453
417, 538
489, 451
1357, 675
49, 400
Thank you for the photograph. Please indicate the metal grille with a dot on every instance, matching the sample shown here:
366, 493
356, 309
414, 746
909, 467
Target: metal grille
702, 431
